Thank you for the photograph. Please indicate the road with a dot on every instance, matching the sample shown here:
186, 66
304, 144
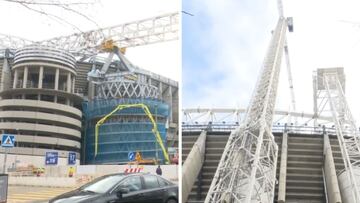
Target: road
32, 194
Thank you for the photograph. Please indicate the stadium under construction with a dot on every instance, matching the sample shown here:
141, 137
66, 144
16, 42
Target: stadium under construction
259, 154
55, 92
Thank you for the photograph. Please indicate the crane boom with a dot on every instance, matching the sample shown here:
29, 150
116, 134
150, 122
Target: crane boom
12, 43
137, 33
247, 169
142, 32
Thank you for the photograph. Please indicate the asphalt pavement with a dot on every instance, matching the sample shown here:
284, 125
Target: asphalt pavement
33, 194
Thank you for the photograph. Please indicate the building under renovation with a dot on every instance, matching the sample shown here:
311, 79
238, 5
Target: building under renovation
52, 97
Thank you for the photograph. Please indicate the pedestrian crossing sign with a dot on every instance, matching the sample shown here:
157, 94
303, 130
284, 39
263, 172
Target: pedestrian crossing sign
8, 140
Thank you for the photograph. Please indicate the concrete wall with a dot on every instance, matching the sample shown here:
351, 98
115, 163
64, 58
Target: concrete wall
24, 160
43, 181
332, 185
57, 176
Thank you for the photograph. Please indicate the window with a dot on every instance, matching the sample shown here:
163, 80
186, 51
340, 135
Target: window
151, 182
162, 182
103, 184
132, 183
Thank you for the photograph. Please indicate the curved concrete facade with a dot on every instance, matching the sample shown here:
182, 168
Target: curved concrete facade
41, 104
38, 104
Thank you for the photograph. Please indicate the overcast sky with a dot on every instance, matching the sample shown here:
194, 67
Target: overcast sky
224, 44
22, 22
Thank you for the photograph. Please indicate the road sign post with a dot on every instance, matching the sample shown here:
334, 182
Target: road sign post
5, 159
7, 141
3, 187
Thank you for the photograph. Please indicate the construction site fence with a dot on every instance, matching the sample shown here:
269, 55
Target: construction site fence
118, 137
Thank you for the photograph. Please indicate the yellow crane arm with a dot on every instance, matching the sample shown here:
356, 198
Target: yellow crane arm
149, 115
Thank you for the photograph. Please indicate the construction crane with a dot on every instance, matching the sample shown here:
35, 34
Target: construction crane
247, 169
124, 68
86, 44
329, 89
288, 66
141, 32
290, 80
13, 42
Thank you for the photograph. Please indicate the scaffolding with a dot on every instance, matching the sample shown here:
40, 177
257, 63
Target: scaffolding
128, 130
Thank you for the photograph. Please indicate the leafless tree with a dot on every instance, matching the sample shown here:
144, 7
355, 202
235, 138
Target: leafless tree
40, 6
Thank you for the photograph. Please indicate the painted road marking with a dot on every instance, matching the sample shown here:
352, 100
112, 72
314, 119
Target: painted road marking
29, 197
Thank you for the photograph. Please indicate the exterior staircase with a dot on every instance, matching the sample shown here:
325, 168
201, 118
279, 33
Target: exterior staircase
215, 144
304, 178
304, 181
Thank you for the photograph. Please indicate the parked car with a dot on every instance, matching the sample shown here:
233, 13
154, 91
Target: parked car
118, 188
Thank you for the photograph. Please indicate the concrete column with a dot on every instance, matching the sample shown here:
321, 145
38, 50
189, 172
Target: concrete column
41, 76
57, 79
330, 177
160, 91
283, 166
68, 86
91, 90
15, 78
192, 165
73, 84
5, 76
25, 76
170, 101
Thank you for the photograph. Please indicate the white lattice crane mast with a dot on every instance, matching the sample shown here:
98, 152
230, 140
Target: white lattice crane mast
330, 84
247, 169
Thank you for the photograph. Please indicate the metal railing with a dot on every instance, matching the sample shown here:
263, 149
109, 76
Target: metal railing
220, 127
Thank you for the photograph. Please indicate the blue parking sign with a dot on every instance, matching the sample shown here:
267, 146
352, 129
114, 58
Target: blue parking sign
72, 158
51, 158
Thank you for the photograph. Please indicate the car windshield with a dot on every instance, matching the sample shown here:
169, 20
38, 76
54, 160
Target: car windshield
102, 185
